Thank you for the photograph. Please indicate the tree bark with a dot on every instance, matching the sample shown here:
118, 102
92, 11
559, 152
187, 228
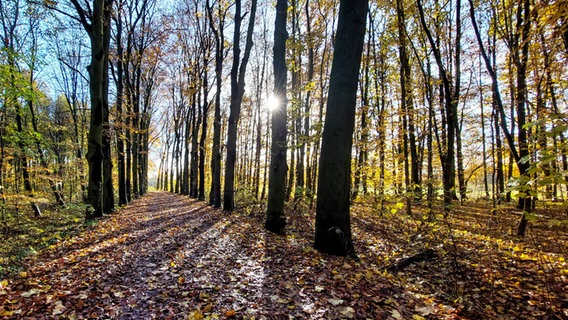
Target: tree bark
119, 124
450, 103
108, 187
99, 60
215, 192
238, 72
275, 220
333, 225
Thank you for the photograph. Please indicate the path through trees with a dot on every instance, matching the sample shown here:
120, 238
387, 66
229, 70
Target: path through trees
170, 257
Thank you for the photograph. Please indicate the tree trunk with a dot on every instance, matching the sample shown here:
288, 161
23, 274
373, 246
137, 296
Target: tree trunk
450, 103
333, 225
237, 91
190, 118
215, 192
413, 183
194, 165
275, 220
97, 73
520, 155
203, 137
108, 188
307, 105
119, 122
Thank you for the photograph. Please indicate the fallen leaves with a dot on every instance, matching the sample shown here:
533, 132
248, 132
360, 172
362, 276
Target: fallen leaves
166, 256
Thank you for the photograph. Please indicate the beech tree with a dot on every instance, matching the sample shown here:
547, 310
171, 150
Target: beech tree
238, 71
275, 220
218, 30
333, 226
95, 20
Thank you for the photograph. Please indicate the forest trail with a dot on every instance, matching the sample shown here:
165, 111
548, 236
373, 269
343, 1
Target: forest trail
166, 256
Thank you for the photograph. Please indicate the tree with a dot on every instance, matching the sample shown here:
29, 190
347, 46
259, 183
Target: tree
519, 152
219, 36
275, 220
333, 225
118, 74
450, 93
95, 20
238, 72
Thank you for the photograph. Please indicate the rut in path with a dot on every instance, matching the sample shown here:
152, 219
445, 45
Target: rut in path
166, 256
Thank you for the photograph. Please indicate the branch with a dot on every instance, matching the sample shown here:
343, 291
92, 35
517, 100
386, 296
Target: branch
83, 19
73, 69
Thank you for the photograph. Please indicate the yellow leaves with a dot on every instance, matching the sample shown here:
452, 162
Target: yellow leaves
23, 274
230, 313
425, 311
203, 296
181, 280
30, 293
395, 314
335, 302
525, 256
58, 309
9, 313
208, 308
201, 314
196, 315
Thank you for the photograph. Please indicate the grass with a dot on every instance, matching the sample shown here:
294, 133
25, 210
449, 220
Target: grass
24, 235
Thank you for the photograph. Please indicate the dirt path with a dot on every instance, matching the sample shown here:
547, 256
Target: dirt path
169, 257
166, 256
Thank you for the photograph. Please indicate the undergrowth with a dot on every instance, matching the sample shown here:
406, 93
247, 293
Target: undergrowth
23, 234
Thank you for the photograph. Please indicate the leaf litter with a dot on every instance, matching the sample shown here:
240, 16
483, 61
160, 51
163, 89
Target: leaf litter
166, 256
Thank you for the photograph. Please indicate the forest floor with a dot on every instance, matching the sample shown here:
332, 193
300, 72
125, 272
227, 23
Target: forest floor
166, 256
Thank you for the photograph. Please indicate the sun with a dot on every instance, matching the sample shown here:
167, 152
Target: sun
272, 103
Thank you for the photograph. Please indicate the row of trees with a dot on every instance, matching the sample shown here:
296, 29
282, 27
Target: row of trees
100, 114
453, 99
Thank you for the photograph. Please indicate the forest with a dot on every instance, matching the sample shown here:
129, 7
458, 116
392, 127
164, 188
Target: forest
211, 159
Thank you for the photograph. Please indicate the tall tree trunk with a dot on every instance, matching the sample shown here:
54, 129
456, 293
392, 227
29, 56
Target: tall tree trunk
521, 154
9, 35
108, 187
99, 57
450, 103
215, 192
275, 220
483, 134
238, 72
194, 165
203, 137
307, 106
333, 225
190, 118
119, 122
407, 106
266, 169
360, 178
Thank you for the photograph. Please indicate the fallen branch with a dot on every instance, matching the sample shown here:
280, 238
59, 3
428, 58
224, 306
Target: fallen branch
425, 255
